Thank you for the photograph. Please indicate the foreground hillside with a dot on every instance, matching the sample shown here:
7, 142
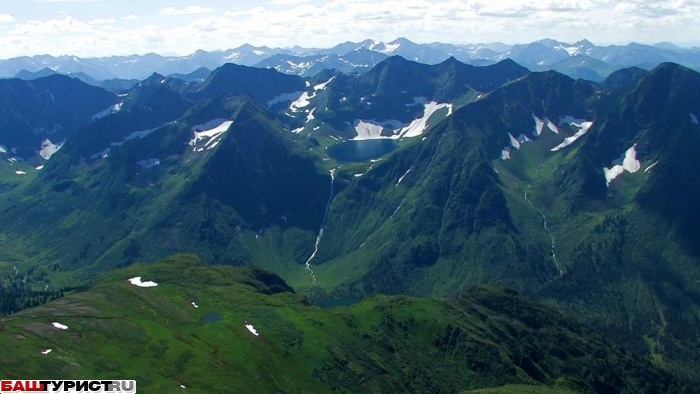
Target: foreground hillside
225, 329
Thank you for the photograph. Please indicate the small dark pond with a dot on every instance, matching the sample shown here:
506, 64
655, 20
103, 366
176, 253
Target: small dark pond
212, 318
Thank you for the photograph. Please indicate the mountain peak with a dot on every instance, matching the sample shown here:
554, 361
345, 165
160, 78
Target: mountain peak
155, 78
584, 43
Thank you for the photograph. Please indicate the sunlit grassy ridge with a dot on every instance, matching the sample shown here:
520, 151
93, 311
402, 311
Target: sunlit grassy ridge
487, 338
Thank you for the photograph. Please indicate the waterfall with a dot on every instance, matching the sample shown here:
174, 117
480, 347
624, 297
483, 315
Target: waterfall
544, 220
307, 266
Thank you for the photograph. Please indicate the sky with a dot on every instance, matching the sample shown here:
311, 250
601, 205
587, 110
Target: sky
94, 28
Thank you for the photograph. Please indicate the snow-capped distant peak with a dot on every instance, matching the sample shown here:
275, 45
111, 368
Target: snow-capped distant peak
693, 118
571, 50
233, 56
385, 48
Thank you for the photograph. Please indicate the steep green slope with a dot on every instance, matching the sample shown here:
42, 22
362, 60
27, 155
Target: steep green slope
635, 256
434, 218
130, 187
52, 107
191, 330
449, 212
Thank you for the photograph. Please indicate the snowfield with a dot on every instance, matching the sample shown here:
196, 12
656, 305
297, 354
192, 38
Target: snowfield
539, 126
583, 129
211, 131
628, 162
505, 154
136, 281
252, 329
371, 129
107, 111
48, 149
650, 167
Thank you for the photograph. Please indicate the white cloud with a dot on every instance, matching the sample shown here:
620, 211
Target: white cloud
314, 24
190, 10
6, 18
101, 21
288, 2
68, 1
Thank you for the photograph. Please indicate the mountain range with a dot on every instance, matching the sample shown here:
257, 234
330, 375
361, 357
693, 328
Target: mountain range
582, 59
406, 180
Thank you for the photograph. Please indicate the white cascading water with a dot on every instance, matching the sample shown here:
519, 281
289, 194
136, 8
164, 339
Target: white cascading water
307, 266
544, 219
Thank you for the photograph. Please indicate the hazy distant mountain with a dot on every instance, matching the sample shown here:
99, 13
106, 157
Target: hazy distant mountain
360, 56
358, 60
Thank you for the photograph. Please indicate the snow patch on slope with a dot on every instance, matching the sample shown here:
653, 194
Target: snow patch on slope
551, 125
322, 86
583, 129
505, 153
693, 118
211, 130
418, 126
539, 126
402, 177
59, 326
48, 149
107, 111
310, 116
628, 162
252, 329
651, 167
371, 129
303, 101
136, 281
514, 142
